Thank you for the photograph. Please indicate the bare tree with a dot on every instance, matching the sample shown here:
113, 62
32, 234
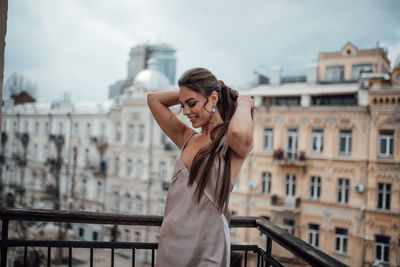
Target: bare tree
17, 83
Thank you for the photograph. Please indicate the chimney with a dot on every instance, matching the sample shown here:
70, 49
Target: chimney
275, 75
312, 73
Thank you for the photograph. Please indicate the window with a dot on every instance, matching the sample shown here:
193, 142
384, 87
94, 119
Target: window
128, 203
76, 129
118, 132
128, 167
290, 185
35, 151
45, 152
288, 225
317, 141
287, 101
384, 195
103, 131
382, 248
313, 234
386, 139
291, 145
163, 138
139, 169
60, 128
334, 100
356, 70
26, 127
141, 133
315, 188
266, 183
343, 190
88, 130
131, 131
33, 179
139, 205
86, 155
44, 179
398, 244
3, 174
161, 207
116, 167
46, 128
14, 127
341, 240
335, 74
163, 170
83, 189
268, 138
95, 236
115, 201
81, 232
36, 130
99, 189
345, 142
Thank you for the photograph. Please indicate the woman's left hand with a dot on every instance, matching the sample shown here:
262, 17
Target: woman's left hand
245, 99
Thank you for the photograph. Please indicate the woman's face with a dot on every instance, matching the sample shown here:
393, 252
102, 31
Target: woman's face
194, 106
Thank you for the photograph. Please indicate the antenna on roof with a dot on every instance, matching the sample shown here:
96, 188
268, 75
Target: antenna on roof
377, 56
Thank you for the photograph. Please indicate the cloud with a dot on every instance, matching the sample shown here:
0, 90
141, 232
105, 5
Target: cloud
82, 47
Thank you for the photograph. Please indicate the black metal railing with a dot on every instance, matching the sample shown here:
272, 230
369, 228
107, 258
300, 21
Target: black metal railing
296, 246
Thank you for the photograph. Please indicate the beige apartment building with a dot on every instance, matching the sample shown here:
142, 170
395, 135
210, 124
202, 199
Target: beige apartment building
345, 65
326, 162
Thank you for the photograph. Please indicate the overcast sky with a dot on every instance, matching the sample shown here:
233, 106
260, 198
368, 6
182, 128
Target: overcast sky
82, 46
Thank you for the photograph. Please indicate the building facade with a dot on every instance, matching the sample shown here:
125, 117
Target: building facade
108, 156
325, 167
347, 64
325, 162
163, 56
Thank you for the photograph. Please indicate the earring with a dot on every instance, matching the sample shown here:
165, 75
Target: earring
213, 109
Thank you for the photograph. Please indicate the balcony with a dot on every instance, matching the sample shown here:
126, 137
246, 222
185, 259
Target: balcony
289, 159
283, 204
262, 255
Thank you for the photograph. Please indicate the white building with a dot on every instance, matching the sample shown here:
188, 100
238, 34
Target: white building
114, 156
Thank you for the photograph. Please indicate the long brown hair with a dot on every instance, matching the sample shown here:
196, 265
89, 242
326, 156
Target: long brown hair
203, 81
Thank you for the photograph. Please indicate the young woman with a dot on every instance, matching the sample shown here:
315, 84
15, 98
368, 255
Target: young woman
195, 228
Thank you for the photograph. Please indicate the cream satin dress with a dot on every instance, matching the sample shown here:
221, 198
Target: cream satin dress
193, 234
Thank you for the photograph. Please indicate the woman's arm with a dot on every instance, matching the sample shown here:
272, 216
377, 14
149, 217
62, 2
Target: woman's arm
240, 129
158, 103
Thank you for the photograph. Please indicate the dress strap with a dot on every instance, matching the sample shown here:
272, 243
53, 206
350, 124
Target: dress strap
187, 140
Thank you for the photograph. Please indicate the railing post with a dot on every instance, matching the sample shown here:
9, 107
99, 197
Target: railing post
269, 250
4, 239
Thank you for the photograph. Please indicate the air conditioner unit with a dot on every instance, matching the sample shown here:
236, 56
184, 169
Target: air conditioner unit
253, 186
359, 188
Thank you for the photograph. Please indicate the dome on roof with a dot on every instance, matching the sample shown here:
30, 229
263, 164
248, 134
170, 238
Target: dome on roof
151, 79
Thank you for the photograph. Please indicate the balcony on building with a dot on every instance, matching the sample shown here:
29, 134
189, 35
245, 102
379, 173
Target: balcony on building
289, 158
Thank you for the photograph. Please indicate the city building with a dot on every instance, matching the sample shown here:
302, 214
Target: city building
325, 162
347, 64
108, 156
164, 59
